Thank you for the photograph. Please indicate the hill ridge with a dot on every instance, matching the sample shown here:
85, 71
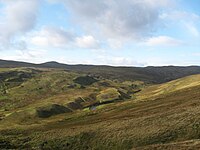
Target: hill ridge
149, 74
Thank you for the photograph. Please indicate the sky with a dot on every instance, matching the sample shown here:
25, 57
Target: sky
101, 32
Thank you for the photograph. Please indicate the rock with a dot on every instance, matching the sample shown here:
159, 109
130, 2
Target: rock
74, 105
85, 80
51, 110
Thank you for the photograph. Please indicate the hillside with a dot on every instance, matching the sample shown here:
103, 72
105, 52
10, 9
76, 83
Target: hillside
146, 74
61, 109
38, 90
154, 91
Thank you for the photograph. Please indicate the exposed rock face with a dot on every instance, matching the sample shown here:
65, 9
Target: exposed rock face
74, 105
85, 80
51, 110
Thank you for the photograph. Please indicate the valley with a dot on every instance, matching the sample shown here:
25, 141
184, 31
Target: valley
56, 108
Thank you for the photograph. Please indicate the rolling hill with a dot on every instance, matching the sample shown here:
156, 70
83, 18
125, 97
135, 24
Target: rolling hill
56, 108
147, 74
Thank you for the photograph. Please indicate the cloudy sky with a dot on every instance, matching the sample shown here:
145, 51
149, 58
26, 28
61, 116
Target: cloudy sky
102, 32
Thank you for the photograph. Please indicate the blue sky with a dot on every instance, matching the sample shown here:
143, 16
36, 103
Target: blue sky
101, 32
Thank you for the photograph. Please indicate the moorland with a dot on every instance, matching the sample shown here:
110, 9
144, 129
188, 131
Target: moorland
59, 106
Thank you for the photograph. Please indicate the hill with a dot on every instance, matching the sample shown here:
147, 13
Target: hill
39, 89
47, 108
147, 74
170, 87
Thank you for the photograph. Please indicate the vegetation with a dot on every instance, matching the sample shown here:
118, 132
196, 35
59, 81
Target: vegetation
110, 94
146, 74
48, 108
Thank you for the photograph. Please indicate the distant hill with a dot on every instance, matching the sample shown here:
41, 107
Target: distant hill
149, 74
13, 64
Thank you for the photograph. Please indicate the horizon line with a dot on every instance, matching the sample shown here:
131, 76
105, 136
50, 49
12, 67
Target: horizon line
106, 65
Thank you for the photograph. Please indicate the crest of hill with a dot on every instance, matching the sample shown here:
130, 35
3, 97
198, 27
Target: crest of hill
149, 74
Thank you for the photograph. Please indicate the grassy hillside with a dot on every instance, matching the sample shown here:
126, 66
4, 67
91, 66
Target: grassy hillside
60, 109
37, 90
159, 90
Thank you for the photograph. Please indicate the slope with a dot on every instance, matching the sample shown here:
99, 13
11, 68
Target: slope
167, 117
33, 91
154, 91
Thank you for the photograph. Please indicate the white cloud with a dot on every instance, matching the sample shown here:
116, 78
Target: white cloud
115, 44
117, 61
28, 55
163, 41
18, 17
87, 42
60, 38
117, 19
49, 36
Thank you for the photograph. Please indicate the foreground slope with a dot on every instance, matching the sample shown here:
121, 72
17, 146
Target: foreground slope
159, 117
